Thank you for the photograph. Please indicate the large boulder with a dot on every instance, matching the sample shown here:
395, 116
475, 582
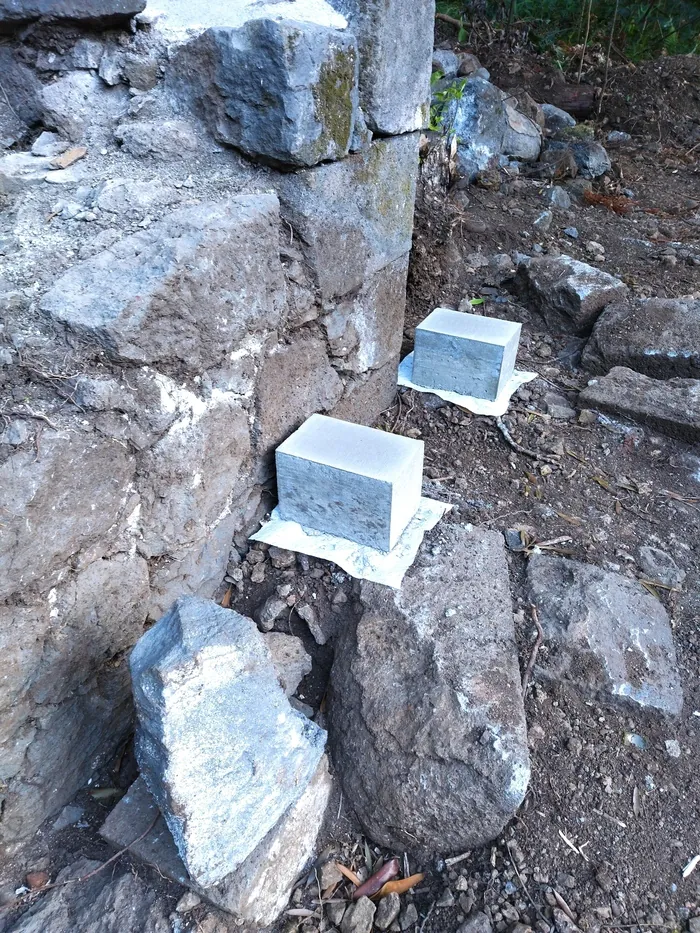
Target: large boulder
426, 712
103, 903
395, 39
590, 156
568, 293
281, 91
14, 13
65, 703
659, 337
184, 292
215, 725
19, 101
605, 633
260, 888
671, 406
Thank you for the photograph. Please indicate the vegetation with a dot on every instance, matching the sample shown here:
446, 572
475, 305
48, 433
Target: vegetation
639, 29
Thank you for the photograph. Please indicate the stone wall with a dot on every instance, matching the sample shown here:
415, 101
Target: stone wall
227, 256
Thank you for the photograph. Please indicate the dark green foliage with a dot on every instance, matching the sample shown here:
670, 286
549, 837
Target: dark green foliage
644, 28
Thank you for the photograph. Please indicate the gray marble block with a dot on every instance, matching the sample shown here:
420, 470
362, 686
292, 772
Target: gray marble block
218, 744
349, 480
465, 353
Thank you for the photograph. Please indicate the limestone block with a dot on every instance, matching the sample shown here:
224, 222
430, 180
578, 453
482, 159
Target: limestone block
396, 48
13, 13
183, 292
426, 711
260, 888
465, 353
349, 480
611, 637
281, 91
65, 696
78, 493
214, 724
356, 216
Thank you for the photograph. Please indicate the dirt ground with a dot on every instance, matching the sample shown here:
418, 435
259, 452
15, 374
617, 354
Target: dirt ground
606, 827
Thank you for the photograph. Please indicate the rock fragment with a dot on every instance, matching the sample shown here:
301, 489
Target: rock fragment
671, 406
426, 708
569, 294
659, 337
291, 659
215, 726
606, 634
358, 918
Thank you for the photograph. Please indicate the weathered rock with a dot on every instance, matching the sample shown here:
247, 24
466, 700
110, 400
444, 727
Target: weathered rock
356, 216
671, 406
606, 634
659, 337
660, 567
558, 197
590, 157
387, 911
72, 498
184, 291
259, 889
487, 125
429, 694
476, 923
270, 611
295, 381
569, 294
556, 119
446, 62
162, 140
291, 659
358, 917
277, 90
65, 698
125, 196
19, 102
102, 904
14, 13
82, 108
395, 64
214, 724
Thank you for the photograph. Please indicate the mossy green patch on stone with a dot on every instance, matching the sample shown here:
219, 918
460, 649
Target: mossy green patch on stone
334, 107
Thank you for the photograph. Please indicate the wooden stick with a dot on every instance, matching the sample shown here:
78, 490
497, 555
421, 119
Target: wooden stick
535, 649
500, 424
457, 23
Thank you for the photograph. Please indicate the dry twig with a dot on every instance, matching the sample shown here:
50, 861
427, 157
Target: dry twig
535, 649
508, 437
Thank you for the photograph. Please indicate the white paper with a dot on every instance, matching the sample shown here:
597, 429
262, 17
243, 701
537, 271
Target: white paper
365, 563
479, 406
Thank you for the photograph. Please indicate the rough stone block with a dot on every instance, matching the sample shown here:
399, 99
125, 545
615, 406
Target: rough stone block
13, 13
295, 381
426, 711
75, 496
366, 397
465, 353
183, 292
349, 480
214, 724
291, 659
82, 108
668, 405
66, 698
611, 637
356, 216
569, 294
395, 38
260, 888
659, 337
281, 91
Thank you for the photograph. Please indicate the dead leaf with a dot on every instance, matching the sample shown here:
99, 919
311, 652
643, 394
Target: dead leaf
400, 886
37, 879
226, 601
636, 802
349, 874
602, 482
106, 793
377, 880
571, 519
69, 157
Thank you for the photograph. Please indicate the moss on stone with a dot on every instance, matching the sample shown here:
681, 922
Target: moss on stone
333, 101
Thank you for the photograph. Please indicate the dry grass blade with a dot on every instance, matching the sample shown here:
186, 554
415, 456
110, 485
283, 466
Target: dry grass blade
573, 847
535, 649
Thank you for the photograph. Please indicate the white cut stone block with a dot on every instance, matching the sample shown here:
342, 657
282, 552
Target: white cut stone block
465, 353
349, 480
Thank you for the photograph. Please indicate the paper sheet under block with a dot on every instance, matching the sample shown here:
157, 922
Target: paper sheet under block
360, 561
479, 406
